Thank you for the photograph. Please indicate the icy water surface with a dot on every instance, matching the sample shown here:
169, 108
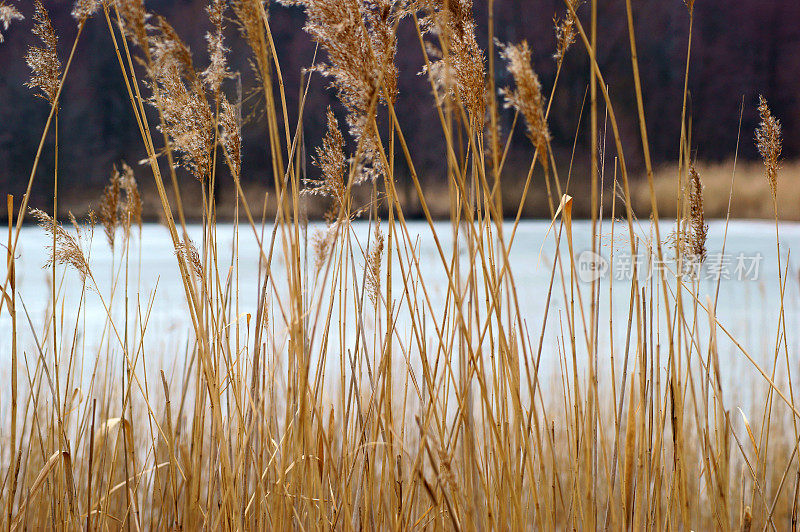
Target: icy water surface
747, 307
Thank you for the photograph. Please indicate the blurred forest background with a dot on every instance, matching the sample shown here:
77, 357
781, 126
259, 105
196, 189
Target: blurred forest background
740, 49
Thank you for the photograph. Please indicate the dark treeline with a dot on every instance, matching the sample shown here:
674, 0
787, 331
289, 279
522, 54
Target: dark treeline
739, 50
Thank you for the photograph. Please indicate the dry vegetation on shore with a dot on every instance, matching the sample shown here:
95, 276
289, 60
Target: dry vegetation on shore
750, 197
315, 409
747, 189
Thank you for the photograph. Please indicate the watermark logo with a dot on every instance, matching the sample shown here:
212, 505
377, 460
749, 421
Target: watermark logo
591, 266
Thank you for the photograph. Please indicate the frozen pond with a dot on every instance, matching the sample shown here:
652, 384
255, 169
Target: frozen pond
748, 296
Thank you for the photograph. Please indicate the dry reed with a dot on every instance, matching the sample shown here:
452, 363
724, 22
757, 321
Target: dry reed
395, 387
43, 60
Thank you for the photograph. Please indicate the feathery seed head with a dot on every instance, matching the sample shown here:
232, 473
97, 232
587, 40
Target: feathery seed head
359, 38
68, 249
188, 121
217, 70
179, 94
565, 31
83, 9
43, 61
231, 135
248, 16
769, 142
188, 252
320, 246
331, 161
167, 47
109, 207
441, 73
8, 14
527, 98
321, 241
452, 20
374, 259
134, 20
113, 210
132, 208
698, 229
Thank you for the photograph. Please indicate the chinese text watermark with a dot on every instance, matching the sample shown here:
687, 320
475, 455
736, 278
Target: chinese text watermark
740, 266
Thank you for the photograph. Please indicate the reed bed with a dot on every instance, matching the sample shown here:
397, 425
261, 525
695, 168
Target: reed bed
751, 198
344, 398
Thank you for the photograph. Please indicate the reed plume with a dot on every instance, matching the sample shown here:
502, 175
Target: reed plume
251, 28
68, 250
319, 244
453, 22
769, 142
359, 38
115, 212
132, 208
441, 73
565, 31
83, 9
230, 122
217, 70
374, 259
186, 250
167, 48
134, 20
8, 14
178, 92
43, 60
698, 229
109, 207
527, 97
380, 17
321, 241
331, 161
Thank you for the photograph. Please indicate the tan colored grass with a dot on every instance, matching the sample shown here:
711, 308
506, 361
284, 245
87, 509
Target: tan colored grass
344, 398
752, 194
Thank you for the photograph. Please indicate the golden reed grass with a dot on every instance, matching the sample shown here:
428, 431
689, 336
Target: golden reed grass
345, 397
